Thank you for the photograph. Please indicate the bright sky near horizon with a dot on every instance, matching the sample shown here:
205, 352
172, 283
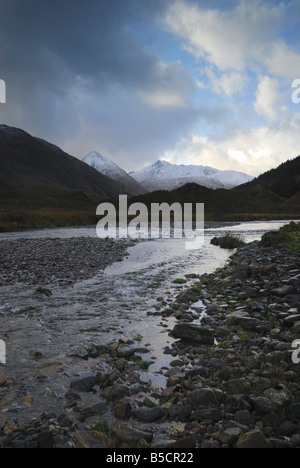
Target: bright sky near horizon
204, 82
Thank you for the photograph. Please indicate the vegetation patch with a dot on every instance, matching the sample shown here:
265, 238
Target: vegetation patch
229, 241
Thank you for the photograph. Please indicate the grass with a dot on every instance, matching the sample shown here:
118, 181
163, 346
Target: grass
21, 220
229, 241
288, 236
143, 364
179, 281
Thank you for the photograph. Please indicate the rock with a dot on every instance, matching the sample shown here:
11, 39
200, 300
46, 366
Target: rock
150, 402
205, 396
294, 411
86, 384
248, 323
123, 410
149, 415
230, 436
284, 291
93, 410
243, 417
50, 367
185, 297
276, 357
45, 439
186, 442
130, 434
263, 405
253, 439
279, 395
210, 414
287, 428
222, 332
236, 386
10, 428
125, 350
290, 320
193, 333
116, 392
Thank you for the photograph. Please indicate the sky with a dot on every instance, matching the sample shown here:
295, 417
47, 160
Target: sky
206, 82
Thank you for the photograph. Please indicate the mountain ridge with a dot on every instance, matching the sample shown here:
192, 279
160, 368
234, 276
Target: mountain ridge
109, 168
164, 175
33, 172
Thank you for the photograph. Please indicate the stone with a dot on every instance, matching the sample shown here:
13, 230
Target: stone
211, 414
294, 411
149, 415
150, 402
279, 395
123, 410
45, 439
93, 410
236, 386
50, 367
263, 405
116, 392
243, 417
85, 384
290, 320
283, 291
287, 428
193, 333
230, 436
248, 323
10, 428
125, 350
205, 396
131, 435
253, 439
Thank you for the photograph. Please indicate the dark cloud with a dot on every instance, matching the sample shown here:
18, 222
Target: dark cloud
78, 71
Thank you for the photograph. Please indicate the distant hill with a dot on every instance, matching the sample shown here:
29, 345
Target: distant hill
163, 175
280, 186
112, 170
283, 180
274, 192
35, 174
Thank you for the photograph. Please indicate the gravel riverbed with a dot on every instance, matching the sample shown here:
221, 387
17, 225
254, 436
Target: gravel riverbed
57, 261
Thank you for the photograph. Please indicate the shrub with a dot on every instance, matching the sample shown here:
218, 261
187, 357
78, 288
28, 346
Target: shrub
229, 241
272, 238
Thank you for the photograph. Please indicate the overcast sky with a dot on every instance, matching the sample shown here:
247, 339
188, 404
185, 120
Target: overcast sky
191, 81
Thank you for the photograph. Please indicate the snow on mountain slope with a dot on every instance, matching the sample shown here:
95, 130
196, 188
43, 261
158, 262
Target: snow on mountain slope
166, 176
112, 170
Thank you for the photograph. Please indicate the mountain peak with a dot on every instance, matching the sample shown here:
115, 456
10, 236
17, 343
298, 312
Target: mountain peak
109, 168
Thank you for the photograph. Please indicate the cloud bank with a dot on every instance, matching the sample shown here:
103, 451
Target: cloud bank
203, 82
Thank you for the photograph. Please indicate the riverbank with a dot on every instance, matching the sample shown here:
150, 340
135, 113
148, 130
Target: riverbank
47, 262
230, 382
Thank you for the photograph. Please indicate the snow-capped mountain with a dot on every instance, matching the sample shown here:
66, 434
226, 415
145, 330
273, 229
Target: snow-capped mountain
166, 176
109, 168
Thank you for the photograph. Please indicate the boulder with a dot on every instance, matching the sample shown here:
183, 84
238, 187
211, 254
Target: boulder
193, 333
253, 439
